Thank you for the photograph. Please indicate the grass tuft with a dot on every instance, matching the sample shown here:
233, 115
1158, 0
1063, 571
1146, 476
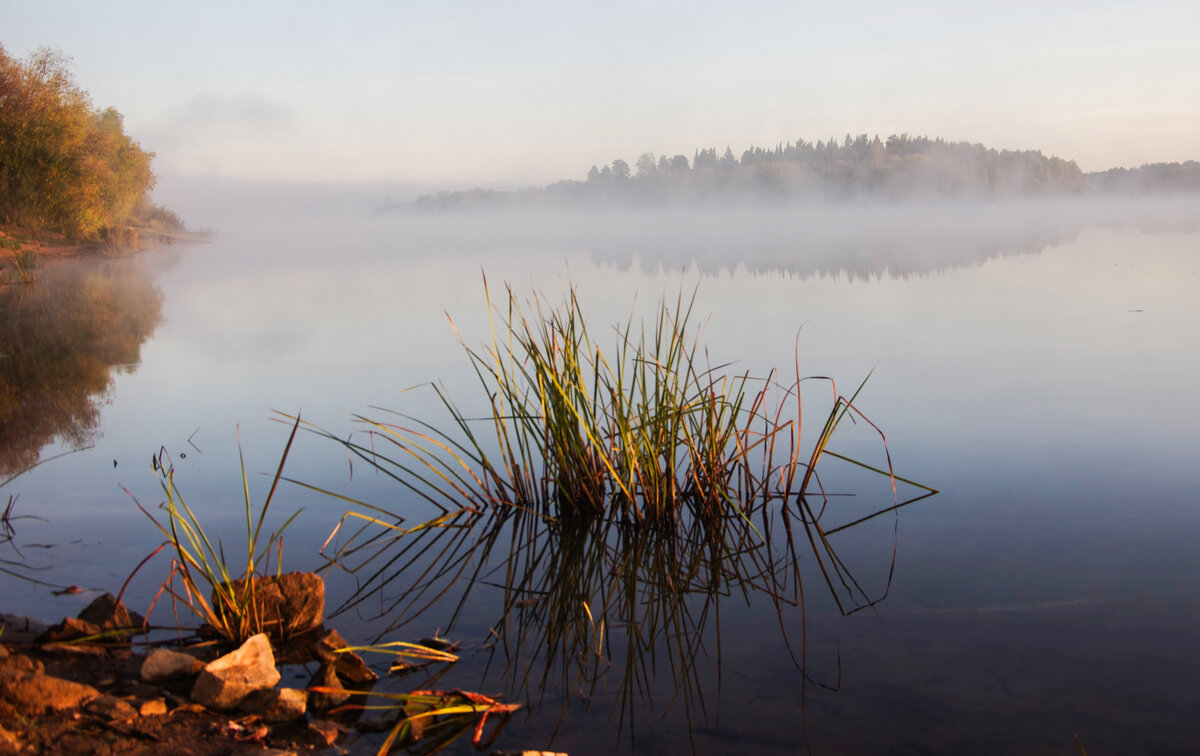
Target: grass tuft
615, 495
210, 585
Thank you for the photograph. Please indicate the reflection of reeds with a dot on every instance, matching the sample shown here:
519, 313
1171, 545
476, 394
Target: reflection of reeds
614, 498
19, 568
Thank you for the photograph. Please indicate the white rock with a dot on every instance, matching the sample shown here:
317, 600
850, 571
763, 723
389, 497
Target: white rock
226, 682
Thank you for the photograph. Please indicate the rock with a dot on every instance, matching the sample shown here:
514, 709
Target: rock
9, 743
326, 732
277, 705
152, 708
290, 604
69, 629
3, 652
225, 683
23, 663
32, 693
111, 708
349, 665
108, 613
163, 664
334, 693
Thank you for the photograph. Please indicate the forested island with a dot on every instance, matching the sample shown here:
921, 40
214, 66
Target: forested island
899, 167
68, 170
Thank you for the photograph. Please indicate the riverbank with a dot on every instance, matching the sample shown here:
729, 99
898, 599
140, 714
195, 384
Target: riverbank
83, 698
14, 243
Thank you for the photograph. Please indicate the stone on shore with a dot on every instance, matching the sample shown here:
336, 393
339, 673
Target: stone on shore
33, 694
348, 665
69, 629
163, 664
111, 708
108, 613
226, 682
277, 705
9, 743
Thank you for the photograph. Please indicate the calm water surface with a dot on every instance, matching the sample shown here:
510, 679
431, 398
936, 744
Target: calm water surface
1037, 365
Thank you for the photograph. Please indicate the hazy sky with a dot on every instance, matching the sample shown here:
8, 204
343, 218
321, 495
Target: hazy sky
522, 92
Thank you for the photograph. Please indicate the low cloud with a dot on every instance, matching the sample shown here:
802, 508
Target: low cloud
219, 133
218, 114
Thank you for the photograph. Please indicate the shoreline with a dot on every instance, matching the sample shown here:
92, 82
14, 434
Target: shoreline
14, 243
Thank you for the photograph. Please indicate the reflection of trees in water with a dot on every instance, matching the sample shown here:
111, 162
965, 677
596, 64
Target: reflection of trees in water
60, 341
896, 251
857, 240
897, 241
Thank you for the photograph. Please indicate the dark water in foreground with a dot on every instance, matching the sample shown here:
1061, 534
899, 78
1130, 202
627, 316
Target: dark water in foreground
1038, 366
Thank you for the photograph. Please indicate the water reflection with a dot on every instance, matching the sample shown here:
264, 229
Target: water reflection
612, 612
601, 613
860, 241
62, 340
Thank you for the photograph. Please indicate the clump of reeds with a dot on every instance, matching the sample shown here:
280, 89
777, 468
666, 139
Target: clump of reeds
614, 495
645, 433
24, 262
211, 585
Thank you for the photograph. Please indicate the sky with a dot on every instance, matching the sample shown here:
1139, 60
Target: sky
460, 93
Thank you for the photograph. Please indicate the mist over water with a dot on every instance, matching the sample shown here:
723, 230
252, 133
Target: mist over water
1033, 360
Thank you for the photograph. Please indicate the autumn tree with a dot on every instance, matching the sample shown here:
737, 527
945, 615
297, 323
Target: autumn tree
65, 166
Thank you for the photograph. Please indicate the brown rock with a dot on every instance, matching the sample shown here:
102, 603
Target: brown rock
69, 629
225, 683
277, 705
107, 613
154, 707
349, 665
163, 664
111, 708
23, 663
9, 743
290, 604
33, 693
326, 732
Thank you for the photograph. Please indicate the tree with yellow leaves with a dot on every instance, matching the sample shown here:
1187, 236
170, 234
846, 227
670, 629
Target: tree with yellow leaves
66, 167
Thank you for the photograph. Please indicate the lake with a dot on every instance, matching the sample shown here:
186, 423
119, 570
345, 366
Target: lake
1035, 362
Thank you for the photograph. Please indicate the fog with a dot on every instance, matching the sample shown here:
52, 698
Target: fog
860, 239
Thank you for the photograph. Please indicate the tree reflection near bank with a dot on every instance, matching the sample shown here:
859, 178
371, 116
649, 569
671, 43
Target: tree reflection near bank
62, 340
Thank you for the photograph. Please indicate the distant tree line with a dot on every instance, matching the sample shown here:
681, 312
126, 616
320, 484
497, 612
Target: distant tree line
66, 167
1149, 178
901, 165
